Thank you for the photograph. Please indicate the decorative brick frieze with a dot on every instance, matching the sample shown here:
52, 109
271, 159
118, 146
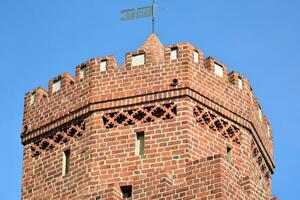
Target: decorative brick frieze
140, 115
59, 137
260, 161
217, 123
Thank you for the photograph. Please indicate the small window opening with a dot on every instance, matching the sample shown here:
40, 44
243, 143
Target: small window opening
66, 162
56, 85
229, 153
98, 198
126, 191
260, 114
196, 56
174, 53
138, 59
139, 146
240, 83
219, 70
103, 65
33, 98
82, 72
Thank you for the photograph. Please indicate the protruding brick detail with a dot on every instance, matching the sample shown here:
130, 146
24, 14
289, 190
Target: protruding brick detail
72, 132
216, 123
202, 135
256, 153
140, 115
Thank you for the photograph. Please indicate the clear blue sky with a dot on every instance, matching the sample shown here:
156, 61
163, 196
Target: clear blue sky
39, 39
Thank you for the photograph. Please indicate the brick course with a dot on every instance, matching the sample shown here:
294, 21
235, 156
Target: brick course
189, 116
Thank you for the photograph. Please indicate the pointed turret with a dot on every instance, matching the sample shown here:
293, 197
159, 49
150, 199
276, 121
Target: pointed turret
153, 47
152, 42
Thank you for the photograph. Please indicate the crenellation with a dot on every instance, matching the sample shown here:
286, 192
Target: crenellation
236, 79
63, 81
40, 94
188, 50
130, 55
209, 63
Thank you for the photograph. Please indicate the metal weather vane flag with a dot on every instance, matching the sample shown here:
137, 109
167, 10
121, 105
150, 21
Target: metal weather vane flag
136, 13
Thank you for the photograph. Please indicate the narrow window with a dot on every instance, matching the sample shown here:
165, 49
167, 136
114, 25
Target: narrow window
33, 98
174, 53
260, 114
66, 162
82, 72
229, 153
218, 70
251, 94
56, 85
240, 83
138, 59
98, 198
196, 56
139, 146
126, 191
103, 65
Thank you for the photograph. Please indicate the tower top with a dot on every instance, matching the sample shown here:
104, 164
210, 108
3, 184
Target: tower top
166, 113
152, 42
153, 45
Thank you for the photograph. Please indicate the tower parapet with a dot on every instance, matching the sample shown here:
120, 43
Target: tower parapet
102, 96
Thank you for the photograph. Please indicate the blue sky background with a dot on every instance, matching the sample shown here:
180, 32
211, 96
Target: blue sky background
39, 39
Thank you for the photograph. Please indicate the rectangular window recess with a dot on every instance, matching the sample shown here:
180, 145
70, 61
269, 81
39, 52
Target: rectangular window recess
103, 65
126, 191
196, 56
229, 153
219, 70
33, 98
66, 162
56, 85
139, 146
174, 53
260, 114
240, 83
138, 59
82, 72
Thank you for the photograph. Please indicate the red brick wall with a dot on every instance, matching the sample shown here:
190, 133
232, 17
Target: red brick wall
96, 118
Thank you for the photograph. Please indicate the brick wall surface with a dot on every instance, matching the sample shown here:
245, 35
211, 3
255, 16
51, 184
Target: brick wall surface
190, 118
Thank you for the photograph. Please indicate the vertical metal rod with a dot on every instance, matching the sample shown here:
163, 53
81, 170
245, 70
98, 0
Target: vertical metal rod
153, 16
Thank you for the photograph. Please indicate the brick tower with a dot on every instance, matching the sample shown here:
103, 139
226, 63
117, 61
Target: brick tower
167, 124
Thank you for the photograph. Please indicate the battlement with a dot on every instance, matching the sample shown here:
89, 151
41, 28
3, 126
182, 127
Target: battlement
151, 58
151, 73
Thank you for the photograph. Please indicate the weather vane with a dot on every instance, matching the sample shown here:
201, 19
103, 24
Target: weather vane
142, 12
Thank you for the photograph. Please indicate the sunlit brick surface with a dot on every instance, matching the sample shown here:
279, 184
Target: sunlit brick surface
189, 115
